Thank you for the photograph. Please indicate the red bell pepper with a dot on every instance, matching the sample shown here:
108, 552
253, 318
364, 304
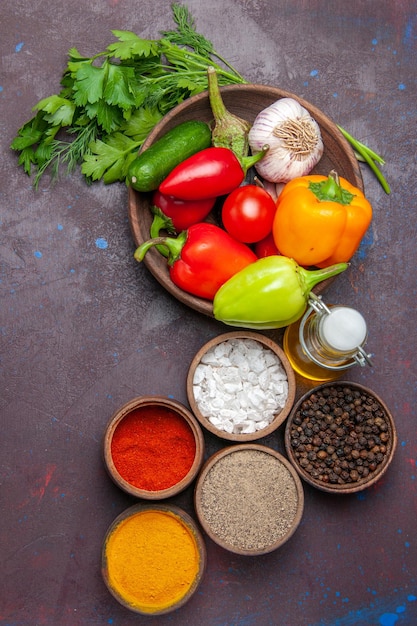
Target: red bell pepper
202, 258
209, 173
182, 213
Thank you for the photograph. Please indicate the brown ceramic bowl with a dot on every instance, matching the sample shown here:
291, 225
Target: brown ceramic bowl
281, 413
142, 409
245, 101
175, 576
341, 449
249, 499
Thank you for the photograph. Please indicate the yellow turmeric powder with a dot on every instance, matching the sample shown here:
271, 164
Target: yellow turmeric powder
151, 560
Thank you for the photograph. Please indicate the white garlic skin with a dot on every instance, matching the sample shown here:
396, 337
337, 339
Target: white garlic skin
281, 164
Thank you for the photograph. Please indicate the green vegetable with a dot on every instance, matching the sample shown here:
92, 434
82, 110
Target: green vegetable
270, 293
150, 168
365, 154
111, 101
229, 131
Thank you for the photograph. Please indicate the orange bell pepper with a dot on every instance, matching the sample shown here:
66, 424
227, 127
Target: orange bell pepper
320, 220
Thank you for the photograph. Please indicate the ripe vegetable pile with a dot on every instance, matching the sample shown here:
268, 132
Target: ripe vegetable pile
260, 264
315, 220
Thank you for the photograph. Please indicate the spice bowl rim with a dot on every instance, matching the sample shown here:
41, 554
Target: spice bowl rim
363, 483
185, 519
158, 401
246, 101
232, 449
278, 419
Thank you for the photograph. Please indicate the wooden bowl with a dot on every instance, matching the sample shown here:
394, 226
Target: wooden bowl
245, 101
322, 446
281, 414
136, 542
169, 455
249, 499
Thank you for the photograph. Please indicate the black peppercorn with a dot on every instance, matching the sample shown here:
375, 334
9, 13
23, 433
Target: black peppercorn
342, 435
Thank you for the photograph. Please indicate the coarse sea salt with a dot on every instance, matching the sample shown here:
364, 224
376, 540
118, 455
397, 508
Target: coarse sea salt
240, 385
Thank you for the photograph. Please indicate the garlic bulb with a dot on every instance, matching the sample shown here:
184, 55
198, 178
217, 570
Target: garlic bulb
294, 139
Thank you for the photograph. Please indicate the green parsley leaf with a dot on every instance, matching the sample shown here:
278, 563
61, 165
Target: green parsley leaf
29, 134
75, 56
59, 111
107, 116
141, 123
131, 45
27, 159
89, 83
120, 85
108, 155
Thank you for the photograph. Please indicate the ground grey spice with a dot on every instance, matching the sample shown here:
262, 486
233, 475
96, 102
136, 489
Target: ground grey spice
249, 499
340, 435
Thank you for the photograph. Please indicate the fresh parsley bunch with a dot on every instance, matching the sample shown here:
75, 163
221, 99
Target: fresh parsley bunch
110, 102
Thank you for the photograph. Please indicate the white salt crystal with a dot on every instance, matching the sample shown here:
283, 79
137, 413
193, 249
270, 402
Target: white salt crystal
240, 385
248, 428
199, 374
198, 392
264, 379
209, 358
233, 387
270, 358
216, 422
218, 403
243, 370
253, 378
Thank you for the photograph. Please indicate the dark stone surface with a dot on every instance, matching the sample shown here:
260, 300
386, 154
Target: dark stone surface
84, 328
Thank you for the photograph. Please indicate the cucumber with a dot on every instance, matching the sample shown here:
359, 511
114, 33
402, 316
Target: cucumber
154, 164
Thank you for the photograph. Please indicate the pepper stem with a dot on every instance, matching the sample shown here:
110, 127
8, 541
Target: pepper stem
330, 190
160, 222
331, 187
310, 278
174, 245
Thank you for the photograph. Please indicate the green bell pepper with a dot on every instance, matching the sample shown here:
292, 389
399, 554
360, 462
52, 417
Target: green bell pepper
272, 292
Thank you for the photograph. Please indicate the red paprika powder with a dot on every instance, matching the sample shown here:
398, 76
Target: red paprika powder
153, 448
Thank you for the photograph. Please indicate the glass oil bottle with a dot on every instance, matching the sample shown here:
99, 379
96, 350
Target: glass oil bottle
326, 341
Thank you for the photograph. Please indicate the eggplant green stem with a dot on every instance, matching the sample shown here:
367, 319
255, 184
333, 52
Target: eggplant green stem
249, 161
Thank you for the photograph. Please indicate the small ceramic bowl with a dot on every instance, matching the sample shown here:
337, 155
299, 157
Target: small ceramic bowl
249, 499
198, 390
340, 437
153, 447
246, 101
153, 558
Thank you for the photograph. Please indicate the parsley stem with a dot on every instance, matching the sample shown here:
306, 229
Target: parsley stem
233, 69
174, 52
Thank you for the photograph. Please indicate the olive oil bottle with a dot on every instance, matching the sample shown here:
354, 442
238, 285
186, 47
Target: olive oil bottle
326, 341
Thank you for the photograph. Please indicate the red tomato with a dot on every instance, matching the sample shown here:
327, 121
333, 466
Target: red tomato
266, 247
248, 213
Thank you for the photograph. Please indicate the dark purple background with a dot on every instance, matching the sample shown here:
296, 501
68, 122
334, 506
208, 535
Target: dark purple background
84, 328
